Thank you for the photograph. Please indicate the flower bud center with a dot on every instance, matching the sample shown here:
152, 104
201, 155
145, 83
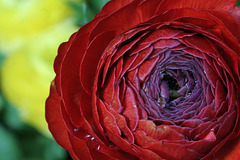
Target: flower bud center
173, 87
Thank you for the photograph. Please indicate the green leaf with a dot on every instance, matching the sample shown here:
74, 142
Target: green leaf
9, 148
2, 57
85, 10
53, 151
97, 4
11, 117
35, 146
1, 102
238, 3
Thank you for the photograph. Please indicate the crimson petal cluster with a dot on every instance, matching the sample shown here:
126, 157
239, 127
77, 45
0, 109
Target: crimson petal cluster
135, 101
163, 86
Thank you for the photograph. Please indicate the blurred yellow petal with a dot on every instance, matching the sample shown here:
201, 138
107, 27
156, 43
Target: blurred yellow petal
21, 19
27, 74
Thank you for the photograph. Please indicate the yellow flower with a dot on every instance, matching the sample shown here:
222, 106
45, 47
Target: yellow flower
27, 74
30, 33
24, 19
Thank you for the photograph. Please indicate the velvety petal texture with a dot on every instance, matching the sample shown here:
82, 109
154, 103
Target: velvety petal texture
150, 79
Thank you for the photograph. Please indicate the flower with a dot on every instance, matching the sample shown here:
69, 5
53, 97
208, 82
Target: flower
150, 80
23, 20
26, 74
30, 49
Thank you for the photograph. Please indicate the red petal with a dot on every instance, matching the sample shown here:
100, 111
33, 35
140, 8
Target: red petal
62, 51
108, 120
230, 151
128, 47
192, 123
142, 55
122, 144
147, 9
227, 125
116, 103
86, 106
119, 67
210, 136
121, 122
74, 51
161, 33
202, 146
132, 74
99, 154
87, 113
108, 88
146, 68
220, 94
236, 13
201, 130
211, 75
166, 43
55, 121
80, 148
169, 150
194, 52
229, 21
142, 139
91, 59
200, 43
127, 63
209, 95
125, 18
159, 132
220, 5
112, 6
147, 154
69, 74
131, 110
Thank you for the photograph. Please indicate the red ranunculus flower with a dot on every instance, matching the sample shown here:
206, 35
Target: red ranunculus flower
150, 79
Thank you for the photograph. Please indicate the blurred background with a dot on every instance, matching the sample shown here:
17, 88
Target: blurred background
30, 33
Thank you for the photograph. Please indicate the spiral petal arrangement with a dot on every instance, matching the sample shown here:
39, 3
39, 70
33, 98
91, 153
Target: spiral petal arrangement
149, 80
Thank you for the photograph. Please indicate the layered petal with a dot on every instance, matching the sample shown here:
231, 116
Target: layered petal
149, 79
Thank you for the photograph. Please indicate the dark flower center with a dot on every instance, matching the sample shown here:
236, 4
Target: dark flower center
173, 87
